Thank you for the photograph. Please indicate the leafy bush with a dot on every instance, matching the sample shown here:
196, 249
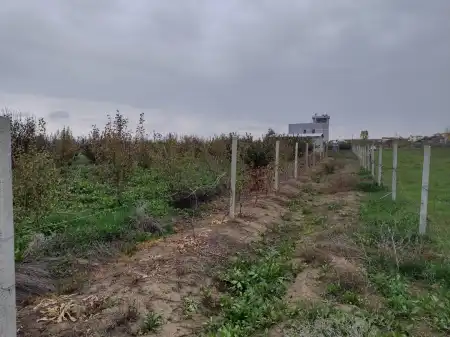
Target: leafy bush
61, 181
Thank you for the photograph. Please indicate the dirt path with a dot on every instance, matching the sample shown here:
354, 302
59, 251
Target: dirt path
332, 261
163, 282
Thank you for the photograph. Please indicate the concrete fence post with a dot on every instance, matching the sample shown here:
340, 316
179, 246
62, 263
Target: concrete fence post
313, 154
368, 158
361, 152
7, 268
296, 161
277, 164
372, 160
358, 154
306, 155
394, 169
363, 155
361, 149
424, 195
380, 164
233, 176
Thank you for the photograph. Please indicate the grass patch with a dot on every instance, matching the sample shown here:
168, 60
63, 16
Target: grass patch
408, 292
254, 286
346, 296
325, 321
409, 179
409, 271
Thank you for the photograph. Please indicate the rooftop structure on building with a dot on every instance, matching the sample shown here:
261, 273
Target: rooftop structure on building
320, 124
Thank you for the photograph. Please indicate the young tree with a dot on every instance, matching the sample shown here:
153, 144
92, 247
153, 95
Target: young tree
364, 134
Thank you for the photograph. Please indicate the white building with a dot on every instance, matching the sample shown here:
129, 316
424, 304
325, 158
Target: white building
320, 124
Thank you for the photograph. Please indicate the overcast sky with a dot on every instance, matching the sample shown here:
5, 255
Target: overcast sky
212, 66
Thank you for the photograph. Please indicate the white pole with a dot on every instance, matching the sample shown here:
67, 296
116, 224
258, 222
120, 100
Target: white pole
372, 159
363, 153
233, 176
313, 154
277, 162
394, 170
380, 164
358, 154
7, 269
307, 155
296, 161
367, 158
424, 196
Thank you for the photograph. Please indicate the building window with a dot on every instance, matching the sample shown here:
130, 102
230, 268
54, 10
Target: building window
313, 130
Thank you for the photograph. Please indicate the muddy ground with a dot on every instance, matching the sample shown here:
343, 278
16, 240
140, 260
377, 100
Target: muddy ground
171, 276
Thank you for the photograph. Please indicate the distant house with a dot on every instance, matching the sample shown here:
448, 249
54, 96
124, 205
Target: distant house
438, 138
415, 138
317, 139
387, 141
320, 125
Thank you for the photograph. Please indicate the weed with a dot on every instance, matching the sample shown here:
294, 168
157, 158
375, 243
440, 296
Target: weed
337, 291
152, 322
324, 321
255, 285
295, 204
208, 300
190, 306
319, 220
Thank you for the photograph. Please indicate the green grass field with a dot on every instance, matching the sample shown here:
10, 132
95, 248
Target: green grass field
409, 181
410, 272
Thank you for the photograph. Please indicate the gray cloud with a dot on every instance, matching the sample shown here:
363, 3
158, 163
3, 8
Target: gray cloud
376, 64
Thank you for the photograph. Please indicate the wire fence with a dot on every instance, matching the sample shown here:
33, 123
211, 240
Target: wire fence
417, 179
